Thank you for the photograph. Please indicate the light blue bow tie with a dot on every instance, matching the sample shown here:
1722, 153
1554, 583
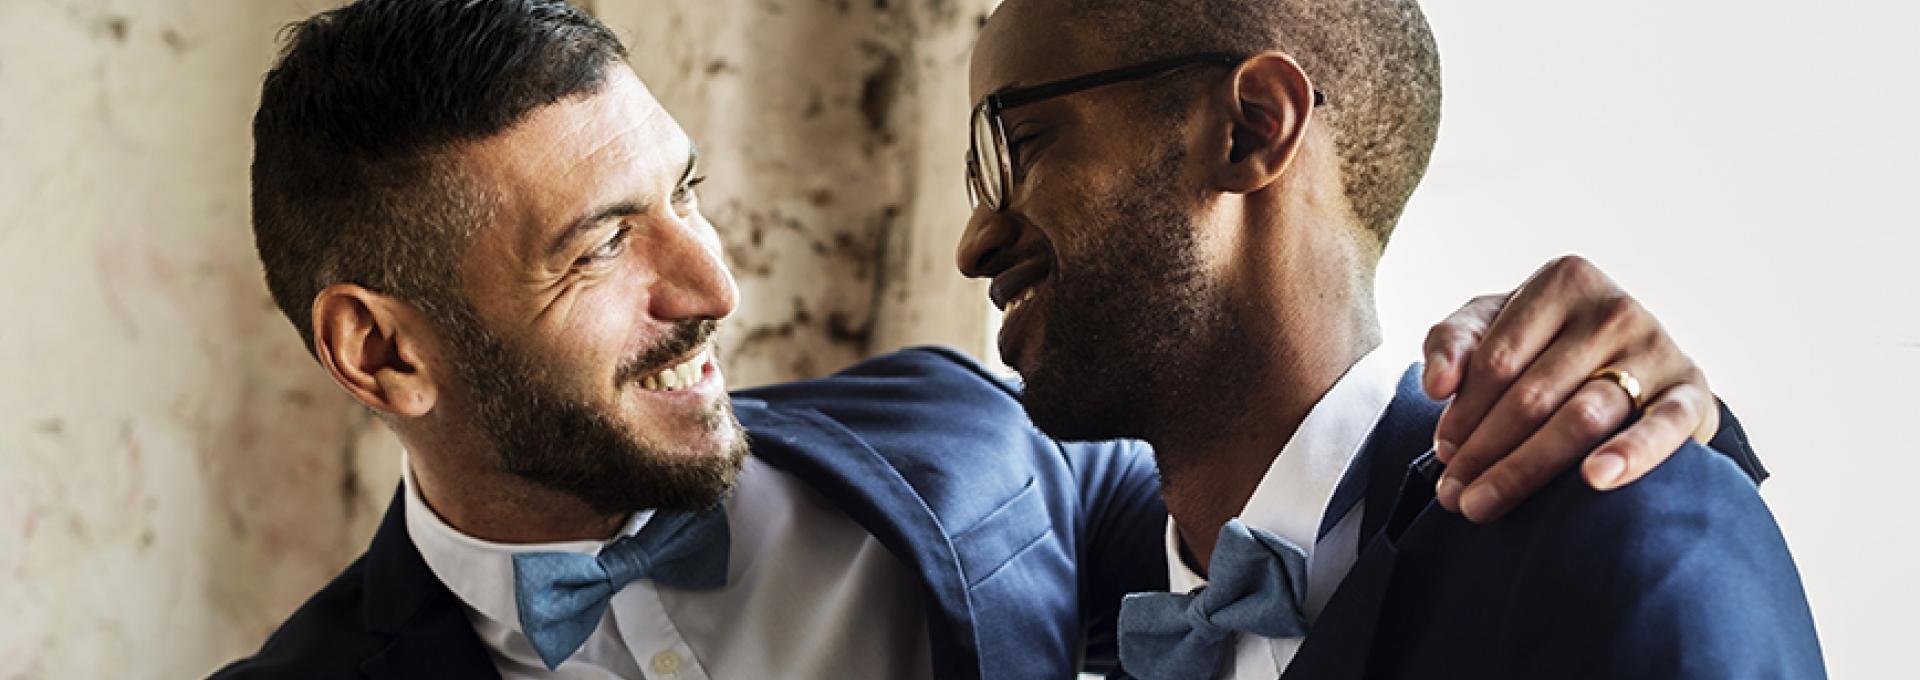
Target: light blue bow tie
1255, 584
562, 595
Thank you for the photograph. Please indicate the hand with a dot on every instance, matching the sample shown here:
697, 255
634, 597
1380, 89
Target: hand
1524, 407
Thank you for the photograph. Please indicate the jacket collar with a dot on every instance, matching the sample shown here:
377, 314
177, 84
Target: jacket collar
873, 492
1400, 472
427, 633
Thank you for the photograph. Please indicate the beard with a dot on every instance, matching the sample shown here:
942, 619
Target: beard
544, 434
1134, 329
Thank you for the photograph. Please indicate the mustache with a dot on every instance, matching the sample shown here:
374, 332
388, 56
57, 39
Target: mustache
681, 339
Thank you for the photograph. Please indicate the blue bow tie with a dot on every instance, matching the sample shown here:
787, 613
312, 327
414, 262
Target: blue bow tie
1255, 584
562, 595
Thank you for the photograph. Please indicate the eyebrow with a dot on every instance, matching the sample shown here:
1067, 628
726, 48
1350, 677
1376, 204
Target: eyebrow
624, 208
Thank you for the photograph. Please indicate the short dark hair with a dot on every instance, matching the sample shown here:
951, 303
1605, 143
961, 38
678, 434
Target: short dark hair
352, 177
1376, 60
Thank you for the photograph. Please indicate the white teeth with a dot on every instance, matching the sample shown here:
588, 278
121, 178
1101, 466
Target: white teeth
679, 377
1020, 299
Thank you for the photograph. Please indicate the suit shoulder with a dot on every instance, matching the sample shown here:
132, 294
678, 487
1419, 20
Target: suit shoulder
1688, 553
1696, 482
324, 638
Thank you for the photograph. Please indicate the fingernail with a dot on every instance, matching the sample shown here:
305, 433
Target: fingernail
1478, 503
1605, 469
1443, 450
1448, 492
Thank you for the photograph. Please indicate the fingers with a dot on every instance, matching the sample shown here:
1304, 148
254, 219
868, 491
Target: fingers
1595, 410
1541, 389
1673, 417
1452, 338
1531, 319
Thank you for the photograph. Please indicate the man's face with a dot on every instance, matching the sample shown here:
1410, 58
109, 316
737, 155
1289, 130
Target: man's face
1114, 314
586, 357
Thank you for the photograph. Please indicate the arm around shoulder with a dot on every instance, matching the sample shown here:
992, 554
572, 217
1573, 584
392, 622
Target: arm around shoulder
1682, 575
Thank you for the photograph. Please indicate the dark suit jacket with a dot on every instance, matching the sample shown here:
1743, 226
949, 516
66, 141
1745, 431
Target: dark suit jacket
1681, 575
924, 449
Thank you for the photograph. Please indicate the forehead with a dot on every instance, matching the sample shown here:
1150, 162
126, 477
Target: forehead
566, 157
1028, 42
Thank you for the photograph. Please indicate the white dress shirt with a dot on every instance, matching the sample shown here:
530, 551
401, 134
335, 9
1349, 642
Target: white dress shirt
809, 594
1292, 499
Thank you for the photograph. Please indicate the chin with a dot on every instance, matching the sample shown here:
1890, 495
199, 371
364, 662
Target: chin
1068, 409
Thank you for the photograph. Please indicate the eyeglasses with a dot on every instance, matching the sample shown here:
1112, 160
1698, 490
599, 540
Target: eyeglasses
990, 163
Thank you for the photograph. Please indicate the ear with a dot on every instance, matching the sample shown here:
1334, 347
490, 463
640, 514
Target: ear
1269, 101
376, 347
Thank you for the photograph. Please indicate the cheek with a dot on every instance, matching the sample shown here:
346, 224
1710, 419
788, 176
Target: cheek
1070, 207
597, 332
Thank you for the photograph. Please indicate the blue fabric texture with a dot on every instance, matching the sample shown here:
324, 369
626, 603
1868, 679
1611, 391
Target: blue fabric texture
562, 595
1683, 574
1256, 583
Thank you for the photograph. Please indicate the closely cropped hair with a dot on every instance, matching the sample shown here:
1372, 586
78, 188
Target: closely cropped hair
1375, 59
352, 181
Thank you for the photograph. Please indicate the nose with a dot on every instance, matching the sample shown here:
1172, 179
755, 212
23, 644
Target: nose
988, 236
693, 281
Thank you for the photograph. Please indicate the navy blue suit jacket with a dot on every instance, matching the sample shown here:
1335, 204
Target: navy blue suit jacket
1680, 575
1024, 545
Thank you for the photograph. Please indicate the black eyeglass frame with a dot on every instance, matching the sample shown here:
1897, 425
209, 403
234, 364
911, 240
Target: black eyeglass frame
987, 113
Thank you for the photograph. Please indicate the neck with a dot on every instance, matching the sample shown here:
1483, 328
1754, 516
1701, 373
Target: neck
485, 502
1306, 308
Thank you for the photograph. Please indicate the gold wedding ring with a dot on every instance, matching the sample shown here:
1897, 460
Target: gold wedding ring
1626, 381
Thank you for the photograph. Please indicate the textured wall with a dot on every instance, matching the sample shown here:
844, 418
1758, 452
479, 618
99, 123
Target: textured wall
834, 130
176, 475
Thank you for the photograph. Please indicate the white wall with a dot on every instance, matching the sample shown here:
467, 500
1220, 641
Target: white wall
1747, 169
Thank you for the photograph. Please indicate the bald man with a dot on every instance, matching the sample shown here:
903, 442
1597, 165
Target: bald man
1181, 205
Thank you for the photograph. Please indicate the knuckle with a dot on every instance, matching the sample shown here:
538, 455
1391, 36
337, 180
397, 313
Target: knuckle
1534, 401
1500, 361
1469, 463
1618, 312
1632, 444
1592, 417
1569, 268
1681, 407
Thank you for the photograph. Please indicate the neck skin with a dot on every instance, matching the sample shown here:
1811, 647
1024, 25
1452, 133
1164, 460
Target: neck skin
1302, 284
473, 495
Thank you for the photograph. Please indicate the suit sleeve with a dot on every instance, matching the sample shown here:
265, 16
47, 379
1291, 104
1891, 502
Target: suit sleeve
1683, 575
1122, 548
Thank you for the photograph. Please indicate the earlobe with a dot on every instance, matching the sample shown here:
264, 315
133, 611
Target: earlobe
367, 341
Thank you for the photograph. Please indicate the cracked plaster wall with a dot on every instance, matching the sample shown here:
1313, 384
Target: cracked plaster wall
176, 475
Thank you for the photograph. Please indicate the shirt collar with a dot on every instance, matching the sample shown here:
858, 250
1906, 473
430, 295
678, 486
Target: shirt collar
480, 572
1292, 497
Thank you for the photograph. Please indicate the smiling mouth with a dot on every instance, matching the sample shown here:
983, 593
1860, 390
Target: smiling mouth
679, 376
1021, 298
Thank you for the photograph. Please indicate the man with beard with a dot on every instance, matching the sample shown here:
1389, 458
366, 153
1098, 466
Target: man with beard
489, 233
1181, 204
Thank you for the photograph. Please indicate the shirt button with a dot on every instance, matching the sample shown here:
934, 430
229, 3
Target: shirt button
666, 663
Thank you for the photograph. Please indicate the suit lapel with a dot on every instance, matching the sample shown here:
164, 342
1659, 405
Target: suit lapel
872, 491
428, 633
1398, 464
